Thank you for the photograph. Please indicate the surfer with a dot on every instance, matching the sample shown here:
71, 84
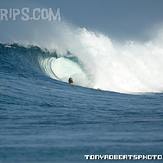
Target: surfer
70, 81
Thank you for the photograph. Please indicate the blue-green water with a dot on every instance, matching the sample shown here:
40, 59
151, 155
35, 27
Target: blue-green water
43, 120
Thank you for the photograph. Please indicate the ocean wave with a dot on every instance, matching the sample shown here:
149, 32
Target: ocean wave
92, 59
32, 60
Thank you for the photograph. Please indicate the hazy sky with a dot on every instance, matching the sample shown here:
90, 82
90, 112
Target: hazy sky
118, 18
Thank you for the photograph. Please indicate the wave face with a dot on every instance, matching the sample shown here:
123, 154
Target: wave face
33, 61
92, 60
19, 60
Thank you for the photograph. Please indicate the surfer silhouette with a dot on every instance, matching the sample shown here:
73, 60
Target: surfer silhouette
70, 81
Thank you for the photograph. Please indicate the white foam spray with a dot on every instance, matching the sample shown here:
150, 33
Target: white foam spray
128, 67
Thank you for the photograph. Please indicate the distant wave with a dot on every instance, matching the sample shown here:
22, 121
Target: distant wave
91, 59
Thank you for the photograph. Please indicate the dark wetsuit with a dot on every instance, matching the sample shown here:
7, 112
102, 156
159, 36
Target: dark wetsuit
70, 80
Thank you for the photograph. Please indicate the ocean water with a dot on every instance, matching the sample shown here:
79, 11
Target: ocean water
45, 120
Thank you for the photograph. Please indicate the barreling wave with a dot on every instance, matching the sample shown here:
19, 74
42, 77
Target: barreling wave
32, 61
91, 59
63, 67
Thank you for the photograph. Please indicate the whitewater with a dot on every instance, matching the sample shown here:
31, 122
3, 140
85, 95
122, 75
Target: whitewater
102, 63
